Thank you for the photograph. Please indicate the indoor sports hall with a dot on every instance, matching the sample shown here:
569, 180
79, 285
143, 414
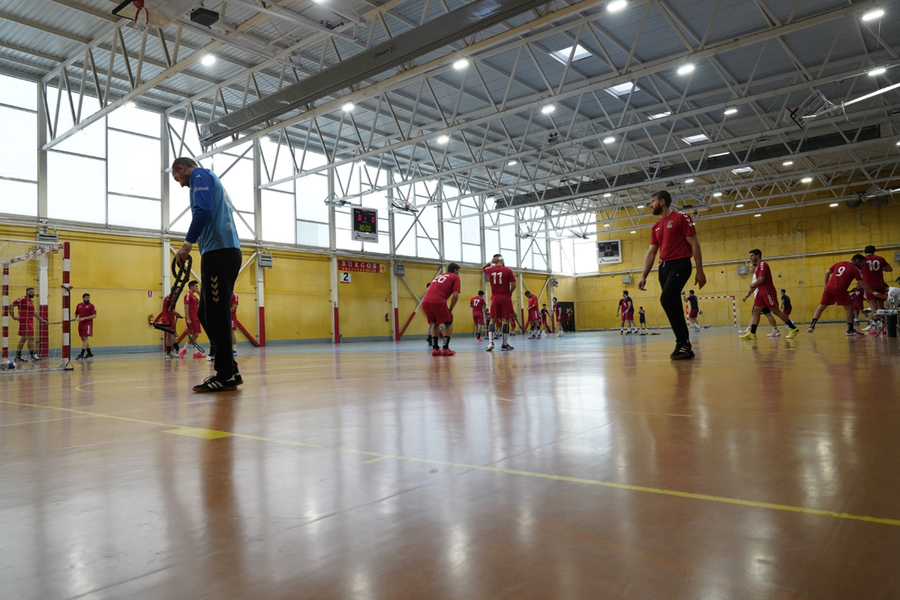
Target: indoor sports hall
363, 150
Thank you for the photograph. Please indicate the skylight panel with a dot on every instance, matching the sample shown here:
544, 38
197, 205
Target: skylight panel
623, 89
742, 170
719, 154
660, 115
563, 55
696, 139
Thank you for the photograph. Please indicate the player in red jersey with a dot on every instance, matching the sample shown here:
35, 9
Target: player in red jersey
477, 304
837, 279
556, 318
857, 299
626, 305
534, 316
873, 269
676, 240
434, 305
503, 284
85, 313
170, 319
26, 317
545, 320
765, 297
191, 319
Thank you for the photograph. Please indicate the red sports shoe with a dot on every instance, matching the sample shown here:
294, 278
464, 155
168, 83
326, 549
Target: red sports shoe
437, 352
448, 352
182, 352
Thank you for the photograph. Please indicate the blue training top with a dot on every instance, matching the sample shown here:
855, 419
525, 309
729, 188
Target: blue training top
212, 222
693, 301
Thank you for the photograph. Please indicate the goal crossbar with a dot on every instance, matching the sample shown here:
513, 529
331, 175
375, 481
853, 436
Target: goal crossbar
733, 304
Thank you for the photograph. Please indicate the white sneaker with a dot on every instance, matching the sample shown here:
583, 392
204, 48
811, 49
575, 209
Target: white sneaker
490, 346
210, 358
775, 333
697, 328
866, 328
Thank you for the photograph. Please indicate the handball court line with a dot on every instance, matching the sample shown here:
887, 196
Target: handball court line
213, 434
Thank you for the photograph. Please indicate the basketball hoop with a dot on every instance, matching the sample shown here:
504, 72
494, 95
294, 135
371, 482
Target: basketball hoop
141, 17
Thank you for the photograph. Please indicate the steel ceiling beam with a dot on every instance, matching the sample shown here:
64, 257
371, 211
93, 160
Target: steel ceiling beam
407, 46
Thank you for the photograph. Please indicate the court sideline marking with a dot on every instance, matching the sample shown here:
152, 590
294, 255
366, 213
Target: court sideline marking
213, 434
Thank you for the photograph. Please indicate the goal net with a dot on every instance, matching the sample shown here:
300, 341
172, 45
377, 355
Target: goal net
716, 311
35, 301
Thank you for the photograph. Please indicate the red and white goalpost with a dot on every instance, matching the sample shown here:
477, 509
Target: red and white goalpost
37, 265
734, 311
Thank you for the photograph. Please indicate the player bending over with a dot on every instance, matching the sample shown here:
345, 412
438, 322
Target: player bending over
85, 313
763, 287
477, 304
434, 305
873, 269
503, 284
837, 279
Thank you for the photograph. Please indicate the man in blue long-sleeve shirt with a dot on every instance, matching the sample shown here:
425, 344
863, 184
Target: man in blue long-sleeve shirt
213, 230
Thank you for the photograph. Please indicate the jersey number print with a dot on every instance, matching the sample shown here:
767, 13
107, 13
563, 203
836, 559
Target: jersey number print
874, 265
498, 278
840, 271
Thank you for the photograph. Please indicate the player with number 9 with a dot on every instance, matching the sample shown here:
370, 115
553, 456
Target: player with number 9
837, 279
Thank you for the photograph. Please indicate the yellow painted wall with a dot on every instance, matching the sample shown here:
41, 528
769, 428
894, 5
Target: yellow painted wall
822, 229
364, 302
123, 275
298, 297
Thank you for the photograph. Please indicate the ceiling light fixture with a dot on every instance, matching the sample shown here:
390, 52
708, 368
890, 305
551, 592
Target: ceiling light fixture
806, 180
640, 206
696, 139
547, 109
739, 206
208, 60
660, 115
873, 14
512, 163
689, 180
623, 89
717, 195
607, 195
606, 224
443, 139
348, 107
741, 170
877, 71
833, 205
609, 140
730, 111
617, 5
634, 232
461, 64
685, 69
757, 215
787, 163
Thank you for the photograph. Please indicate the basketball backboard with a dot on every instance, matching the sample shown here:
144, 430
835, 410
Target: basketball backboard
160, 12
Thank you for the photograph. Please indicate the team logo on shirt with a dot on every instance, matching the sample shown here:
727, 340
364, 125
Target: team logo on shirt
669, 225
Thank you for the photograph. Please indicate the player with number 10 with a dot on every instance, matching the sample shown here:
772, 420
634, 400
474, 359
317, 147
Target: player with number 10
837, 279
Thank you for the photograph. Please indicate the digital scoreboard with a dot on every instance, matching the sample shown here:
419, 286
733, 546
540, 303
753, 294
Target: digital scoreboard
365, 224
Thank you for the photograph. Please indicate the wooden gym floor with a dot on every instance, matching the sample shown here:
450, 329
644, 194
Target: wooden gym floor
584, 467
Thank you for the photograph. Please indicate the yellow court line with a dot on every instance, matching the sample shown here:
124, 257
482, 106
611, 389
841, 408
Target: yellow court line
622, 412
594, 482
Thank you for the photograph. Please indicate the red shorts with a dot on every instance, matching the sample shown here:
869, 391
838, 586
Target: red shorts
437, 312
502, 307
787, 311
26, 328
628, 316
478, 318
534, 315
86, 329
194, 327
871, 298
233, 324
693, 314
765, 299
831, 296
